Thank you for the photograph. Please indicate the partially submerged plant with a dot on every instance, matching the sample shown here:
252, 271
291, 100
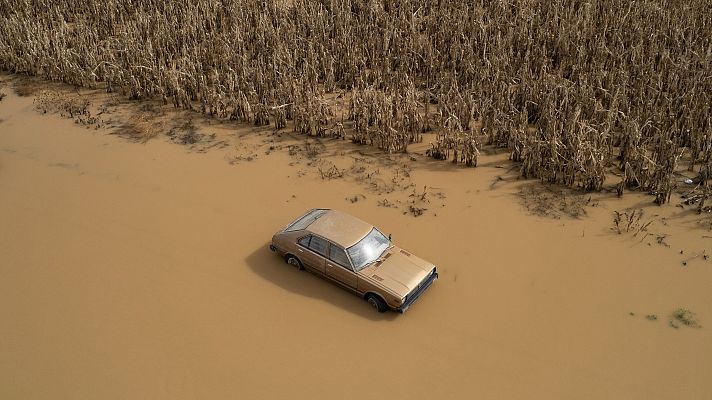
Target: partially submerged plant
683, 316
625, 87
631, 221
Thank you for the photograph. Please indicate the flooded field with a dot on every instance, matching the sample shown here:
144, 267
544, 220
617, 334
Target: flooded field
140, 269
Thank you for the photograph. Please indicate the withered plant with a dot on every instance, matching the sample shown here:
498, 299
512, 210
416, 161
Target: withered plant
571, 89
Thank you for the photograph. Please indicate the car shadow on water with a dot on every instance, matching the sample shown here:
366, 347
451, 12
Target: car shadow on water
271, 267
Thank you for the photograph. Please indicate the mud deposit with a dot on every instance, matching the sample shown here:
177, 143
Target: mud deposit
139, 269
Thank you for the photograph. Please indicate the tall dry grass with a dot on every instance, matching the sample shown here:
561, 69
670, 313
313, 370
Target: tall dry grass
571, 88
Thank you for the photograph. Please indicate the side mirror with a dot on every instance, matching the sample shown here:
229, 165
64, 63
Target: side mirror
389, 236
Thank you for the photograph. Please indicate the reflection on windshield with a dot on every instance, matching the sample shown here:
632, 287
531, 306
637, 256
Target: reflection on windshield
368, 249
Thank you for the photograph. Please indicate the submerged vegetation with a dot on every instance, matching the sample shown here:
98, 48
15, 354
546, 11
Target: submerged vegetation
573, 90
683, 316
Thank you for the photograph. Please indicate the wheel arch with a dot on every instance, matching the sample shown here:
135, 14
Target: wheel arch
371, 292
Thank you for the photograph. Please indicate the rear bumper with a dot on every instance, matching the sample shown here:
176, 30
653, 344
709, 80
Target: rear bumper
413, 296
276, 249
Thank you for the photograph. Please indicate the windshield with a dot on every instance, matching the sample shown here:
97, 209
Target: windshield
368, 249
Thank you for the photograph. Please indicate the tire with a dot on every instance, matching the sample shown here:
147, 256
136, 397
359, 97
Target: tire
376, 302
294, 261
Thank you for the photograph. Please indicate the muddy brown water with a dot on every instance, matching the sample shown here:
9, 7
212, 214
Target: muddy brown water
134, 271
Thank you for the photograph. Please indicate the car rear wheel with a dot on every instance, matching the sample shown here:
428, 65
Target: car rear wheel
376, 302
294, 261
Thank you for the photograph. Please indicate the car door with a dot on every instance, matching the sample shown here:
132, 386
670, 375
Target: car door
312, 252
338, 267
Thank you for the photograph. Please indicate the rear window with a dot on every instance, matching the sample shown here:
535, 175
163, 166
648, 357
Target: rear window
305, 220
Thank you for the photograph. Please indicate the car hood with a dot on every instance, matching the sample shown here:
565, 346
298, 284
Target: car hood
398, 271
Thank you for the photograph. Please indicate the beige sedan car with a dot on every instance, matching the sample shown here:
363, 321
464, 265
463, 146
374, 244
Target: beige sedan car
356, 256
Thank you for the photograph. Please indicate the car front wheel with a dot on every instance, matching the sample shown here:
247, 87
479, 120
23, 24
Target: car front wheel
377, 303
294, 261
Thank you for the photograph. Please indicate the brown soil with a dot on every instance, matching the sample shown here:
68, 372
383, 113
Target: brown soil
132, 270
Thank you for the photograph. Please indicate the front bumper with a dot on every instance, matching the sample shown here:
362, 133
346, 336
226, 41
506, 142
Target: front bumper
413, 296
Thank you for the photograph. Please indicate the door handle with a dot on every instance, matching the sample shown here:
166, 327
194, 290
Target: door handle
300, 250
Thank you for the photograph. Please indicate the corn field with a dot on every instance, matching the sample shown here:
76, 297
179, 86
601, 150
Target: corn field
573, 90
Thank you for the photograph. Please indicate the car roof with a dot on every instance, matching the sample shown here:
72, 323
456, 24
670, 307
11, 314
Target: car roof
341, 228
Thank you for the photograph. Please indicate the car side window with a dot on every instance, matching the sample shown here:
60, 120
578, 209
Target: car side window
338, 255
318, 245
304, 241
